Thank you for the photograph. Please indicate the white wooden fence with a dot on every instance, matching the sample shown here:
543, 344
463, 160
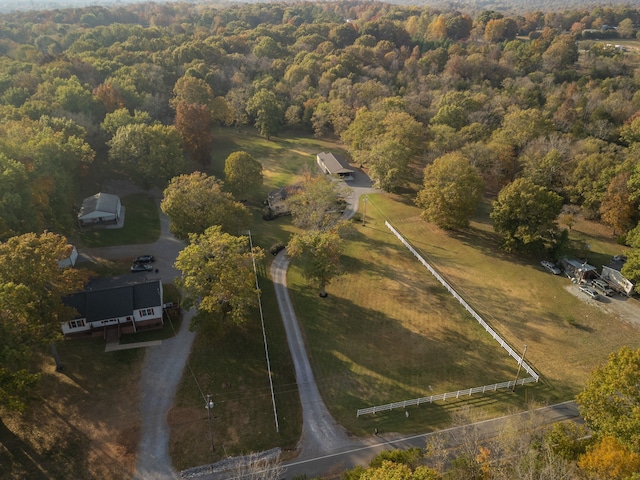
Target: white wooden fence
443, 396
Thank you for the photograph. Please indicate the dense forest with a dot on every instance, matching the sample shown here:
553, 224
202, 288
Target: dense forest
548, 99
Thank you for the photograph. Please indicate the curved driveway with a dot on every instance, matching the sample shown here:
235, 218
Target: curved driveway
321, 434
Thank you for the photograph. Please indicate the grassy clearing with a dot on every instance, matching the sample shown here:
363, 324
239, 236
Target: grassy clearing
231, 366
142, 225
54, 438
283, 158
387, 331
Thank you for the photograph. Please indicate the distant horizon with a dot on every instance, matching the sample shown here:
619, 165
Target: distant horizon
16, 6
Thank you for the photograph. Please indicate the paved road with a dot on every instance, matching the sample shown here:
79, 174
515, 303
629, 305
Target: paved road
485, 430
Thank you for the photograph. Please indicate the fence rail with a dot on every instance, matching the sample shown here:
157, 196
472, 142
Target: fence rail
473, 313
443, 396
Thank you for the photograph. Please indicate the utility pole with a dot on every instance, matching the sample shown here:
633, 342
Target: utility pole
519, 367
364, 210
209, 406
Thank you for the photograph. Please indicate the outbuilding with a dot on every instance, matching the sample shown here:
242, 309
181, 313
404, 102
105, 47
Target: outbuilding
331, 164
101, 208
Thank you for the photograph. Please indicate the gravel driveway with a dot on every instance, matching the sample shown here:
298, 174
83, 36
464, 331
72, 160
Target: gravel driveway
163, 364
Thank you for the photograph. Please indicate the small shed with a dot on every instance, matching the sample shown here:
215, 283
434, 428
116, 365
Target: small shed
69, 261
332, 164
101, 208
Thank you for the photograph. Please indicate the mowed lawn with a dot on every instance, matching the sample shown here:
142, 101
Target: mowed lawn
389, 332
283, 158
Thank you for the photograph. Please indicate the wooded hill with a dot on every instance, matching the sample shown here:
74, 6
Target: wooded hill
516, 96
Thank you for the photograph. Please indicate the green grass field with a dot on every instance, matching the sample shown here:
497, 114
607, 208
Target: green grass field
230, 365
389, 332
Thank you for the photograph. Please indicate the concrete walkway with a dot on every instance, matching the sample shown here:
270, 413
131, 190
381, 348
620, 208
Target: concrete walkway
114, 347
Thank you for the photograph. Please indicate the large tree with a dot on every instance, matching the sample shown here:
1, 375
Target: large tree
193, 121
318, 203
16, 202
149, 154
32, 286
217, 275
525, 215
196, 202
610, 402
54, 155
242, 174
319, 255
451, 191
267, 112
384, 139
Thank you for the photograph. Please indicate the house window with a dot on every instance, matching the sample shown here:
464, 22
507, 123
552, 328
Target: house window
146, 312
76, 323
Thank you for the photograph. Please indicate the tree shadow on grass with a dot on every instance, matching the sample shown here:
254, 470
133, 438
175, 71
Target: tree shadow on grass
18, 459
363, 357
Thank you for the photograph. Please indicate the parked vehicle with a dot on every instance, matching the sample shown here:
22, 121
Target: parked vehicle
141, 267
589, 292
276, 248
602, 286
144, 259
551, 267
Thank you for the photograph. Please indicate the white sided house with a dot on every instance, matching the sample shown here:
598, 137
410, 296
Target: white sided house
125, 309
331, 164
101, 208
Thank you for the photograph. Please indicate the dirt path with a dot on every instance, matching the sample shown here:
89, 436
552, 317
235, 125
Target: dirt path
320, 432
625, 308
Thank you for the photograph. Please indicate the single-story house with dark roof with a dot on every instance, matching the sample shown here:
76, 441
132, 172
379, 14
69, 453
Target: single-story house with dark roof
332, 164
127, 308
100, 208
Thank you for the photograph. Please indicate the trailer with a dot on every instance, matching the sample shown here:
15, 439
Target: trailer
616, 280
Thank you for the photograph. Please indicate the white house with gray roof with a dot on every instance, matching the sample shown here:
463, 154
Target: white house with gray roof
101, 208
126, 309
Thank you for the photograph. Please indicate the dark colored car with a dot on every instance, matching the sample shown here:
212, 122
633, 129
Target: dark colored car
277, 248
144, 259
141, 267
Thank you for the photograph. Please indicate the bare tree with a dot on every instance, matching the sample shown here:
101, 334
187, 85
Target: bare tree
258, 466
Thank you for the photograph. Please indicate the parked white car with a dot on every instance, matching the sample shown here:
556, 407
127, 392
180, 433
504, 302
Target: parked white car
589, 292
551, 267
